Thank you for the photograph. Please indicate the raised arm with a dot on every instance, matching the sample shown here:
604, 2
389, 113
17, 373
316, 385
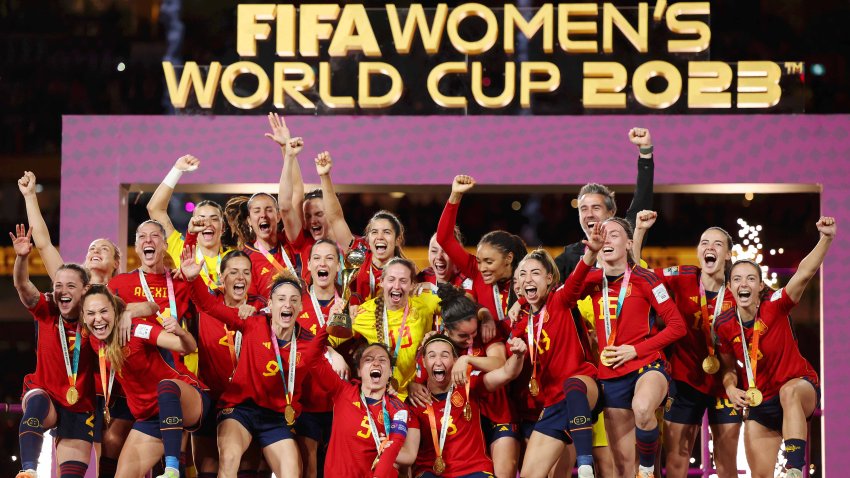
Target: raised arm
333, 209
40, 235
21, 275
158, 204
812, 262
289, 148
466, 263
646, 173
513, 366
201, 297
645, 220
176, 338
573, 288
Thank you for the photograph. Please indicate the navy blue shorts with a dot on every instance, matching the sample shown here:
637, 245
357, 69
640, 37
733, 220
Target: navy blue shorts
150, 426
686, 405
494, 431
769, 413
266, 426
477, 474
619, 392
86, 426
208, 423
555, 421
315, 425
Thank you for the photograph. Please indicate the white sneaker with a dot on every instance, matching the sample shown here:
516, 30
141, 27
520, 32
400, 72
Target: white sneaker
170, 473
645, 472
585, 471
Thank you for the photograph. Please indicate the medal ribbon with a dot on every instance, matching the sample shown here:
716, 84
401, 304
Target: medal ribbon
288, 382
71, 370
468, 373
373, 427
610, 332
318, 308
172, 305
269, 257
107, 389
446, 418
533, 341
497, 298
399, 337
371, 281
708, 321
751, 356
233, 348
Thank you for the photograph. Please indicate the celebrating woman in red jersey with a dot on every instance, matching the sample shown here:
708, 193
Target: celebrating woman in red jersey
491, 270
369, 425
701, 294
461, 325
441, 268
165, 398
563, 378
302, 213
782, 387
455, 445
320, 300
263, 398
633, 370
384, 237
56, 396
219, 348
102, 258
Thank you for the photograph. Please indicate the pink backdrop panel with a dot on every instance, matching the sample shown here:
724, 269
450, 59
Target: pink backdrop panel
99, 153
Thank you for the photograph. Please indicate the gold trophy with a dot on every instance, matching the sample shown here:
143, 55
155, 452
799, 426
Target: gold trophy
340, 324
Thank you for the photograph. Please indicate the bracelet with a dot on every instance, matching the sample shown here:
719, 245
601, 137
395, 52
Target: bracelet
645, 150
172, 177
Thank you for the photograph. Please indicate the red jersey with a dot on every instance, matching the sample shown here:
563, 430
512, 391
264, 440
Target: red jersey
687, 353
636, 326
302, 247
352, 449
779, 357
562, 347
314, 398
464, 451
458, 280
50, 374
263, 271
216, 359
467, 265
494, 405
258, 377
129, 288
367, 283
144, 367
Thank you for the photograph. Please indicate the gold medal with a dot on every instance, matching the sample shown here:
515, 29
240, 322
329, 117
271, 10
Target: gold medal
711, 365
467, 411
604, 360
106, 416
533, 387
289, 414
394, 383
755, 397
439, 465
72, 395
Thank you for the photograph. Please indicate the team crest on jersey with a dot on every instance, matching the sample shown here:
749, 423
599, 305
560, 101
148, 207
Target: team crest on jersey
457, 399
226, 411
776, 296
297, 358
671, 271
726, 305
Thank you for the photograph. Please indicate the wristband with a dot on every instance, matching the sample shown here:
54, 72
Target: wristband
172, 177
645, 150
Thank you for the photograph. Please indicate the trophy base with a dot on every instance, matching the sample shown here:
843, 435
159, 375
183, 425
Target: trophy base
340, 326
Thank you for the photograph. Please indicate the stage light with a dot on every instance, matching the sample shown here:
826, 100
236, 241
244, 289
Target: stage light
121, 66
773, 252
14, 458
190, 206
39, 187
748, 196
818, 69
516, 205
397, 195
574, 203
751, 248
